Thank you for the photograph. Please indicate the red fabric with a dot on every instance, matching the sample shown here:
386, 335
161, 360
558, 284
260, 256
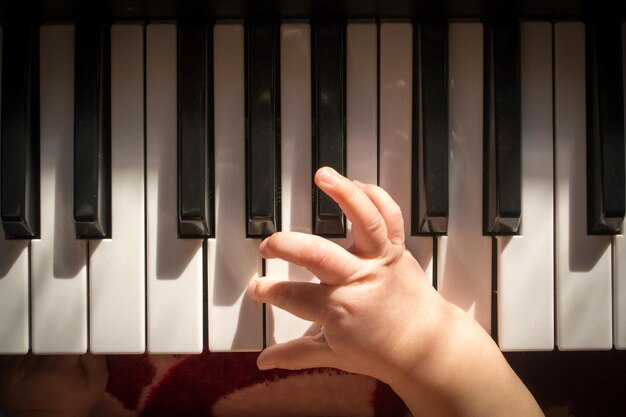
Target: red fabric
191, 385
128, 376
386, 403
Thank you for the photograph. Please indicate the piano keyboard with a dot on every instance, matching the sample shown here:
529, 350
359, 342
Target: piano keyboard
141, 166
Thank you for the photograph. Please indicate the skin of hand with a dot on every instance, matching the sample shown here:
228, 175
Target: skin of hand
378, 315
51, 385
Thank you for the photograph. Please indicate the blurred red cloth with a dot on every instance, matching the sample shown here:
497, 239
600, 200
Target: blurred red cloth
230, 384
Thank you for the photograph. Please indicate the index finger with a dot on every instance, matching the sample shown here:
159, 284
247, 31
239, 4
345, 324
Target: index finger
328, 261
368, 226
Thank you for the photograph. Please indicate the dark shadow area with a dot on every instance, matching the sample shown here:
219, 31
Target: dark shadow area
587, 384
10, 251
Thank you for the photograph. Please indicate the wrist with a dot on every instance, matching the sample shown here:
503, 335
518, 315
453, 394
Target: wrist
426, 348
464, 374
441, 349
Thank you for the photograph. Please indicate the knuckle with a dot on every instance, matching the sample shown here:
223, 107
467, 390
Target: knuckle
391, 207
335, 314
373, 223
394, 253
389, 255
378, 193
375, 190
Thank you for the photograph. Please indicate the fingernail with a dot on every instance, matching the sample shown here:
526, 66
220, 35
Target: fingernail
328, 176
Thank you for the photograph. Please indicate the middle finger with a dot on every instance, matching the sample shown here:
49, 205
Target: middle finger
369, 230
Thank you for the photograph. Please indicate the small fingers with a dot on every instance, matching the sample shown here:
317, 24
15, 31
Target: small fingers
389, 210
303, 299
331, 263
303, 353
368, 227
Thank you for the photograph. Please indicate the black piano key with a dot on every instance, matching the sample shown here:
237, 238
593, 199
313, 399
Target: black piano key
328, 77
606, 198
20, 132
429, 187
92, 132
262, 128
502, 208
195, 130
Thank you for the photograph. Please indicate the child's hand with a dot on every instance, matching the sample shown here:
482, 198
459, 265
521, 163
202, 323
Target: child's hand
377, 311
51, 386
379, 316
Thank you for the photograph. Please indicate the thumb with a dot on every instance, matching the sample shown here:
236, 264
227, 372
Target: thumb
302, 353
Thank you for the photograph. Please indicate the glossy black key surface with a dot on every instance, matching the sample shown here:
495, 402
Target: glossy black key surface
262, 128
429, 185
502, 200
606, 198
328, 76
92, 131
19, 175
195, 130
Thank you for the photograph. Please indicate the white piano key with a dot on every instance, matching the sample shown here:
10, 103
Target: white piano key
361, 105
619, 256
117, 265
14, 298
362, 102
361, 68
464, 257
296, 176
395, 159
235, 321
174, 266
583, 262
361, 109
58, 259
619, 291
525, 262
